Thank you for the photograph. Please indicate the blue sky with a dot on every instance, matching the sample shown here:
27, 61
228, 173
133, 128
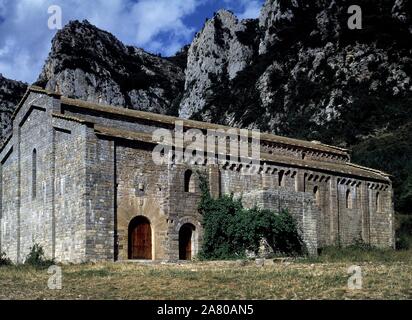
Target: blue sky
159, 26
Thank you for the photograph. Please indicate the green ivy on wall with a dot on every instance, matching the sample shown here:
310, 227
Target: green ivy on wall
230, 229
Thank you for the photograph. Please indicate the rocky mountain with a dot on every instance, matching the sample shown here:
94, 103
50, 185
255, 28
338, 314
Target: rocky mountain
90, 64
10, 94
224, 47
298, 70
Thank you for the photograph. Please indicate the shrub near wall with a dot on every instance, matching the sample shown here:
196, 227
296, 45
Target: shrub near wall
4, 261
36, 258
230, 230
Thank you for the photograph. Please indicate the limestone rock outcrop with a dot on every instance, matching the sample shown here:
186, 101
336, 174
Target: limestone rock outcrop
90, 64
218, 53
10, 94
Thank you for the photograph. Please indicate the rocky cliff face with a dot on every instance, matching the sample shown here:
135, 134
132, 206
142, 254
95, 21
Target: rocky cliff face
218, 53
10, 94
302, 72
90, 64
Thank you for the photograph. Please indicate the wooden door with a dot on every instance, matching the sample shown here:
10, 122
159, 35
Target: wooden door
185, 242
140, 236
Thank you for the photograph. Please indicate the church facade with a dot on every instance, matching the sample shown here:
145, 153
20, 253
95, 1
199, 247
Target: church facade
80, 179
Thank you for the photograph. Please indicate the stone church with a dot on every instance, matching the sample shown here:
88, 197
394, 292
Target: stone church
79, 179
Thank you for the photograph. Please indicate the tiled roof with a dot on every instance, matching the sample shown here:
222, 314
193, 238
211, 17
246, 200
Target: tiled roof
198, 125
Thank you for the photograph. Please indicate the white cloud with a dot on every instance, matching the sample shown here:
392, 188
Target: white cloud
155, 25
154, 17
245, 9
25, 37
251, 9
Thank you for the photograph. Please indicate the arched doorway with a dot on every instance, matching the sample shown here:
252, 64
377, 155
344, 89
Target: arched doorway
186, 233
140, 239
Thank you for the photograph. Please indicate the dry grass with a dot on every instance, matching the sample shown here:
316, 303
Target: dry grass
285, 280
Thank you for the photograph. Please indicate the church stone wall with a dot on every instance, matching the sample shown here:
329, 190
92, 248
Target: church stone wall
69, 193
142, 191
157, 193
36, 215
99, 197
91, 184
301, 205
45, 207
9, 193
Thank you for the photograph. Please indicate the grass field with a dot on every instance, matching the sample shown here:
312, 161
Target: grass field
386, 275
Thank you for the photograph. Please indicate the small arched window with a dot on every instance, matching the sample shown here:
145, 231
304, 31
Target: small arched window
189, 181
316, 195
34, 174
281, 180
349, 200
